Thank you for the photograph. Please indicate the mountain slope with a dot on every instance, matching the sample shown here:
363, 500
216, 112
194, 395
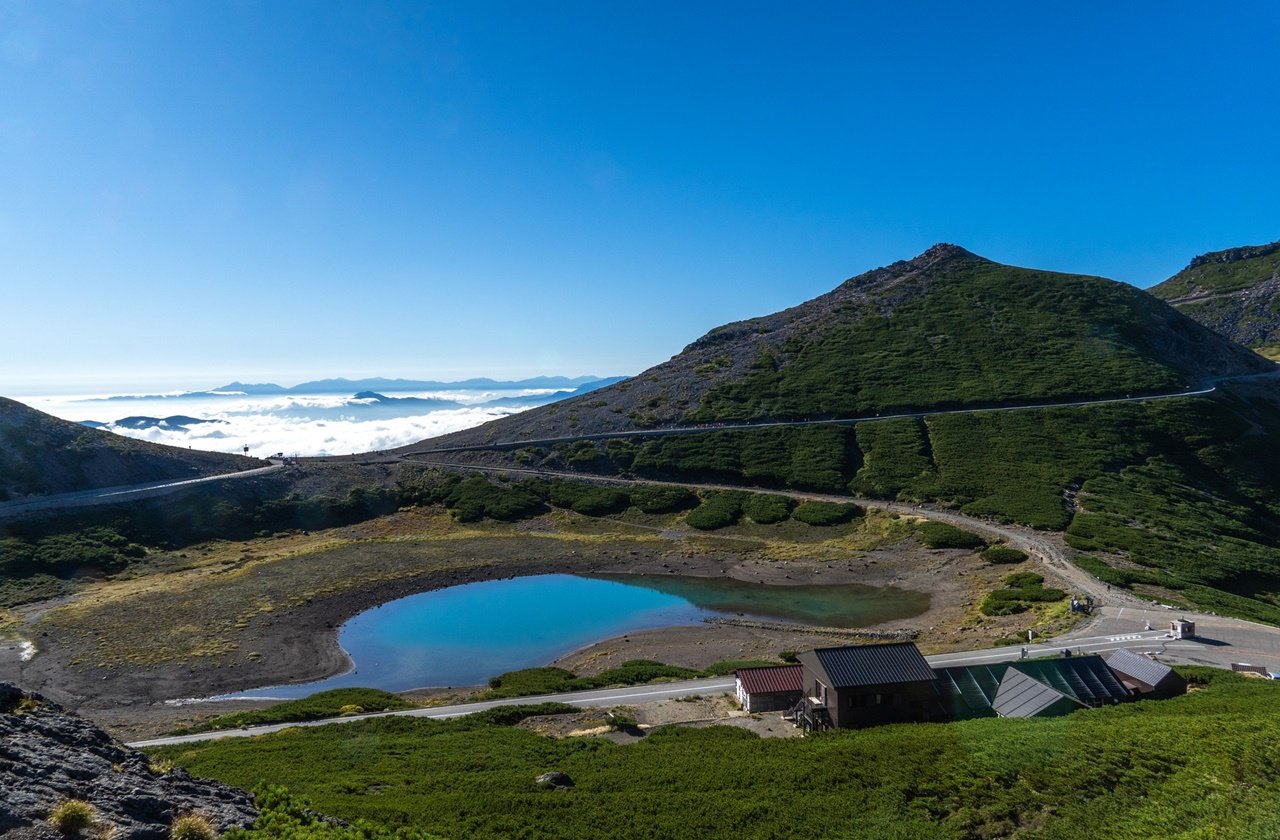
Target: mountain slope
1235, 292
41, 454
1178, 499
945, 329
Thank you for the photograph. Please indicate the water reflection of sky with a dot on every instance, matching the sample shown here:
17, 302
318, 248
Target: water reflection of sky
463, 635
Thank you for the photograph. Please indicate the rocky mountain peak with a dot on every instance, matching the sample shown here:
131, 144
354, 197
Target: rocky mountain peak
1230, 255
940, 253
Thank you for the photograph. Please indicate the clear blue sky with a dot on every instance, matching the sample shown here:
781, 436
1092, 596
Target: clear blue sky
198, 191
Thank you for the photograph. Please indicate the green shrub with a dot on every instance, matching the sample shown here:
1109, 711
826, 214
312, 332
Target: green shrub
475, 498
530, 681
651, 498
587, 499
942, 535
1003, 555
601, 501
824, 513
767, 509
1022, 589
718, 509
1020, 580
191, 827
727, 666
73, 816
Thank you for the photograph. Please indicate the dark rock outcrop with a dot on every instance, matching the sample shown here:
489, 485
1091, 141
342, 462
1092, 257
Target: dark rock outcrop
554, 781
1235, 292
48, 756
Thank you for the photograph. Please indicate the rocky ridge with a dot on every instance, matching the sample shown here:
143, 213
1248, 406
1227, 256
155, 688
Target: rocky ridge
48, 756
1235, 292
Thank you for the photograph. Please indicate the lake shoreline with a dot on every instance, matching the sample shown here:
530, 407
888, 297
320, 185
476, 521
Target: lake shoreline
300, 643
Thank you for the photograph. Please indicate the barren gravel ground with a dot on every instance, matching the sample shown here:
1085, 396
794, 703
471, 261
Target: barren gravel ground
230, 616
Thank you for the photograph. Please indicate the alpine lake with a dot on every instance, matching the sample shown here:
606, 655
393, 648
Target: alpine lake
462, 635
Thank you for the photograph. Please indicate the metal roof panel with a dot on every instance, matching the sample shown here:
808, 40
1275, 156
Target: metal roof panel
898, 662
1141, 668
771, 680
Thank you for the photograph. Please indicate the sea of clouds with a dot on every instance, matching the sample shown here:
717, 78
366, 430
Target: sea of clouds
294, 425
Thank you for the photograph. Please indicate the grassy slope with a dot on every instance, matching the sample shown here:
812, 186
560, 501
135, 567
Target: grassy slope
943, 329
1189, 489
978, 333
1202, 765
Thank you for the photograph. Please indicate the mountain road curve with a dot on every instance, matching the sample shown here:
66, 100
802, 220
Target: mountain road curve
115, 495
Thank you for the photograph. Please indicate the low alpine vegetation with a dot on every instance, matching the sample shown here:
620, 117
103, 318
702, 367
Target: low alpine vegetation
73, 816
1020, 592
1003, 555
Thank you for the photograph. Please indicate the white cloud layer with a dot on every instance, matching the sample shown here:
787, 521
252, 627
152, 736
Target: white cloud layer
267, 434
321, 424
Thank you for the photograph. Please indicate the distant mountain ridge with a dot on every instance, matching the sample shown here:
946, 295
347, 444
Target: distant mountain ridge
340, 385
1235, 292
945, 329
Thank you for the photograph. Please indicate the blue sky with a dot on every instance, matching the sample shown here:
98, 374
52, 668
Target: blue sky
192, 192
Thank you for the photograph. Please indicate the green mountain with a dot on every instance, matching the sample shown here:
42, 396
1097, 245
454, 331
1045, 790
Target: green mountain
1178, 499
1234, 292
41, 454
946, 329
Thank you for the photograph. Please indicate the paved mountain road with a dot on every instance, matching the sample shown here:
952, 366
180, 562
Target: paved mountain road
115, 495
848, 421
669, 690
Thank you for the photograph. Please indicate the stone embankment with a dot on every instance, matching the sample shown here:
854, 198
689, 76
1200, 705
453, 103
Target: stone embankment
49, 756
847, 633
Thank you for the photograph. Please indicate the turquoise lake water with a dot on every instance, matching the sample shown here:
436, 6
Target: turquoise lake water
462, 635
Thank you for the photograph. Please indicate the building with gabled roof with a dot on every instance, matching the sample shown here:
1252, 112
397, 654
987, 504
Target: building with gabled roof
769, 688
1021, 695
866, 685
1144, 677
1002, 689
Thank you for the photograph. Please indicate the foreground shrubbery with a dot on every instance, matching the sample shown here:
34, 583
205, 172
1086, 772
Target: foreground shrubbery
1199, 765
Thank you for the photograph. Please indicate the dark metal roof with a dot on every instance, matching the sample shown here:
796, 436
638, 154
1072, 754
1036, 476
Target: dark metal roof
766, 680
1141, 668
1021, 695
1086, 679
968, 691
844, 667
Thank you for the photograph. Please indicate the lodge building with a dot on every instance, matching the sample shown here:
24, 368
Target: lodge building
869, 685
